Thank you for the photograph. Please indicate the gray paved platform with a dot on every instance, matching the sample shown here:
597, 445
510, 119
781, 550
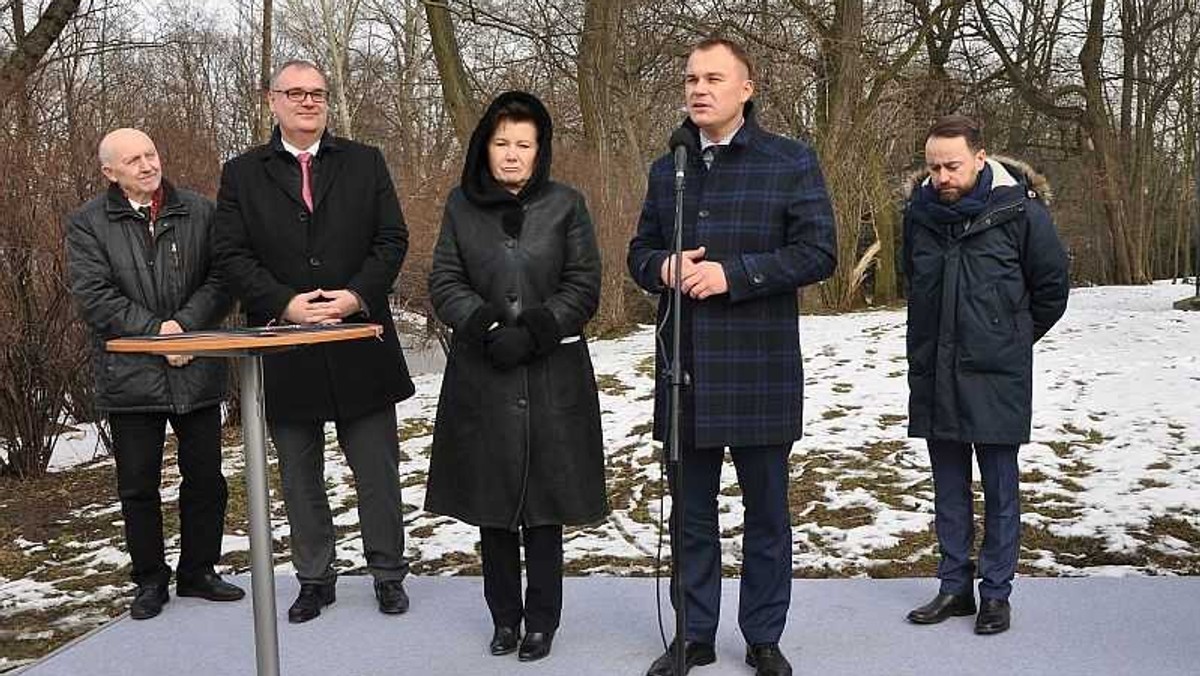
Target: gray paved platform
1061, 627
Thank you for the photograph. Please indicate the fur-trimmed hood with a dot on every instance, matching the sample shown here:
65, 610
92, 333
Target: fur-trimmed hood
1006, 172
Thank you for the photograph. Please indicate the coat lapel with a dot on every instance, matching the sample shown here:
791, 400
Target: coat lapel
283, 176
327, 174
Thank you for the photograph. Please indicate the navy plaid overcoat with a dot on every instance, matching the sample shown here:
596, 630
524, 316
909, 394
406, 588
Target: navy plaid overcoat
762, 211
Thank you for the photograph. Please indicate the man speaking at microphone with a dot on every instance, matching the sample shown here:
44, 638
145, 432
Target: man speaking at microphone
757, 226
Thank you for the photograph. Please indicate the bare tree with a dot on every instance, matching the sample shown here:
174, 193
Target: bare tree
31, 47
264, 79
456, 88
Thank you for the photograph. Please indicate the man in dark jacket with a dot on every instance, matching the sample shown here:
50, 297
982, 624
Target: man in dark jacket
309, 231
138, 259
757, 226
986, 277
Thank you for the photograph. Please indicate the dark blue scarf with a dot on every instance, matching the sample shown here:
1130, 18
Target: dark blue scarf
967, 207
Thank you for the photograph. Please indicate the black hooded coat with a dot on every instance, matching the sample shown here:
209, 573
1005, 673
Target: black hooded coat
520, 446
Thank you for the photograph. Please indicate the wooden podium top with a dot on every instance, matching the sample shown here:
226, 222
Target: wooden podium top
243, 341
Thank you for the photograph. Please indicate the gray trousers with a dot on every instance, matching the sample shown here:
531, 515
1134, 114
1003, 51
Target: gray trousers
372, 449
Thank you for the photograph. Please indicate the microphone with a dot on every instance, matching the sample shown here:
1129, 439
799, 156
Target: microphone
681, 140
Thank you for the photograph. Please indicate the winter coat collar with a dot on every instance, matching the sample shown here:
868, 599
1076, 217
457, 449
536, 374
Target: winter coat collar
740, 140
1006, 173
117, 205
275, 145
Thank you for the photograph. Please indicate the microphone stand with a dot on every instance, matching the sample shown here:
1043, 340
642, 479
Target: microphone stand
674, 456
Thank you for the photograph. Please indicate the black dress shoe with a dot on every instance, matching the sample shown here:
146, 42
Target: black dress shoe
148, 601
943, 606
310, 601
695, 654
391, 596
535, 645
994, 615
504, 640
767, 660
208, 586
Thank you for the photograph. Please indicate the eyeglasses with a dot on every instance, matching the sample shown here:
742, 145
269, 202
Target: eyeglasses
298, 95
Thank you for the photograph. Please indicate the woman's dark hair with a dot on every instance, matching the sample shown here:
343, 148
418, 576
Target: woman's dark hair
515, 111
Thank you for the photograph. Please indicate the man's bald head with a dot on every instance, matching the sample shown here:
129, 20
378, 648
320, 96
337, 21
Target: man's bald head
129, 158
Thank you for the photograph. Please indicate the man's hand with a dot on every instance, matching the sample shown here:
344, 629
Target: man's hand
690, 256
339, 304
706, 279
169, 328
320, 307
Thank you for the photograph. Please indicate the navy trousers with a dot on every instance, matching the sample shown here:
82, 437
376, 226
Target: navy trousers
766, 583
954, 518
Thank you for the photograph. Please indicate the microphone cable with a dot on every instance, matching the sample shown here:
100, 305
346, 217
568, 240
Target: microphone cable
663, 484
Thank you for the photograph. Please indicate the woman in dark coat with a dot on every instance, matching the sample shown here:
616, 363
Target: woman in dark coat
517, 448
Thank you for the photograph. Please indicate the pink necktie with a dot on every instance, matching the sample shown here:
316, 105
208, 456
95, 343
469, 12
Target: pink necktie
306, 179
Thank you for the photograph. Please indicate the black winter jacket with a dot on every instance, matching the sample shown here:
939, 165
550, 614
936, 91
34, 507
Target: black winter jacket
980, 293
128, 278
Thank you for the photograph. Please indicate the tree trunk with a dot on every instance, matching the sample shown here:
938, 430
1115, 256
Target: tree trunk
1105, 143
597, 56
263, 133
456, 88
31, 47
337, 38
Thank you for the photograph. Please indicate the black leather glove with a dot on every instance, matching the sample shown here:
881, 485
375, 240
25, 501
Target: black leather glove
473, 330
509, 346
543, 329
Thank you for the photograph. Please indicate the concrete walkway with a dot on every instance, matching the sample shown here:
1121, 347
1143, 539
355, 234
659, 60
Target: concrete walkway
1061, 627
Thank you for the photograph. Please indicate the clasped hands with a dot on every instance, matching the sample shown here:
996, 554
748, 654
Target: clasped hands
505, 345
321, 307
169, 328
701, 278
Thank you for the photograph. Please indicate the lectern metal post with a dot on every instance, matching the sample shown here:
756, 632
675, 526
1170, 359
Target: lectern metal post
262, 569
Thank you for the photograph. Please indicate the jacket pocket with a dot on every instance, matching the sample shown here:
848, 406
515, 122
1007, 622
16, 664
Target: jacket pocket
988, 334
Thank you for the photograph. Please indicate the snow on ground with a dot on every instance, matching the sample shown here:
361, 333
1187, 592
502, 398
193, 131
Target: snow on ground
1111, 480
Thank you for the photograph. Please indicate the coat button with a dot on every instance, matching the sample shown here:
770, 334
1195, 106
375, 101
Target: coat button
704, 213
757, 279
510, 243
314, 261
303, 216
522, 403
511, 297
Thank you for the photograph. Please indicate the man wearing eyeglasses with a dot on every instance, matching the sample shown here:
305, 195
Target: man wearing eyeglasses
309, 231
